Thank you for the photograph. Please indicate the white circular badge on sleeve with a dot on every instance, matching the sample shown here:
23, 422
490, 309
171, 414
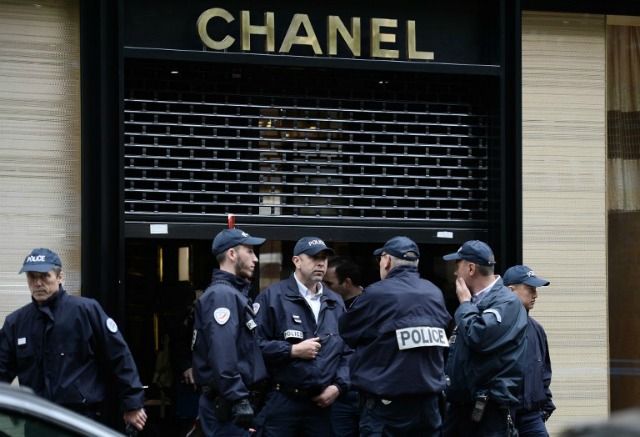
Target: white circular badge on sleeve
111, 325
222, 315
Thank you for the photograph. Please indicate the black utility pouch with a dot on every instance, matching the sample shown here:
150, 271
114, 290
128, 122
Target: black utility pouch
479, 407
222, 409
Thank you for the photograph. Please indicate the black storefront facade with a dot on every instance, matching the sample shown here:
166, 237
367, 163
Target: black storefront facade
349, 123
330, 120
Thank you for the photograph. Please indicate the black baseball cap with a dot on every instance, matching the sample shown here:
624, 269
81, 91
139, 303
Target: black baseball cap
523, 275
311, 246
474, 251
228, 238
40, 260
400, 247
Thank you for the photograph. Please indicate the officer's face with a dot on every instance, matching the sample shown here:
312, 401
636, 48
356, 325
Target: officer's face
333, 282
463, 269
527, 294
384, 262
245, 261
43, 285
311, 269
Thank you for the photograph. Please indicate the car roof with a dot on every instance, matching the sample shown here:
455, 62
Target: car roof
25, 402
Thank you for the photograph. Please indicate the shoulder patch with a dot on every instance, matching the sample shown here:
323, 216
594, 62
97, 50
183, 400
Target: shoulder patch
111, 325
222, 315
495, 313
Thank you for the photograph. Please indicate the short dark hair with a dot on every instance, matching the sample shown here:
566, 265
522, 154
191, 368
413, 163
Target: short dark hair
346, 268
485, 270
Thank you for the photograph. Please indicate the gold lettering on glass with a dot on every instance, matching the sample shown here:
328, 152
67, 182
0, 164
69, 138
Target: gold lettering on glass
412, 52
247, 29
378, 37
352, 39
203, 20
292, 37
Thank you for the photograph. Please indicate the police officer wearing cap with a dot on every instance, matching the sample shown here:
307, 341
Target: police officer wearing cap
227, 363
536, 399
397, 328
487, 350
306, 358
63, 347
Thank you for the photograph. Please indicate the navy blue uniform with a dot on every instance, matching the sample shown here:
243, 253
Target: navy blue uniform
397, 328
226, 356
487, 353
285, 318
65, 349
536, 398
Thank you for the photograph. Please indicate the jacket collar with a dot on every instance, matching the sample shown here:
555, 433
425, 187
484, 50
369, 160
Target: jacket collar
402, 269
241, 284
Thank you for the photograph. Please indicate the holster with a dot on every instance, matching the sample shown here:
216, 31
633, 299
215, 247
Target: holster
258, 395
222, 409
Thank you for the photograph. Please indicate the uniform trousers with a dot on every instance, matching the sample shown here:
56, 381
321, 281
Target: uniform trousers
458, 421
345, 415
530, 424
211, 426
284, 416
411, 416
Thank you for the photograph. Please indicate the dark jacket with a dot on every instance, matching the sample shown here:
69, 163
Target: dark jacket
65, 350
373, 324
487, 350
283, 315
226, 356
537, 375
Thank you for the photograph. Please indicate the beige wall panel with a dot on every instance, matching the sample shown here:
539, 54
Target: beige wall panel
564, 215
39, 140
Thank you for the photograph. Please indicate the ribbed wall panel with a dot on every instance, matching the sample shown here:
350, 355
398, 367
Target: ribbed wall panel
39, 140
564, 209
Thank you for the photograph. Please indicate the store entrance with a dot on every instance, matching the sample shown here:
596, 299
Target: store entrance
163, 278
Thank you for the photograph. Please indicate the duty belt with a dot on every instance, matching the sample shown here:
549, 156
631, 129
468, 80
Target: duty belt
297, 393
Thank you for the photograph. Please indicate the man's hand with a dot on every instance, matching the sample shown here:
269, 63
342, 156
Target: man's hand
135, 417
327, 397
188, 376
307, 349
242, 414
462, 291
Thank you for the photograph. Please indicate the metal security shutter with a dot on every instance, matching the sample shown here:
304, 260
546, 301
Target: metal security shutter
204, 140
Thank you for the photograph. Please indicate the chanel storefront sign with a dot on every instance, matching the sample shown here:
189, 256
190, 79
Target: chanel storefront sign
251, 32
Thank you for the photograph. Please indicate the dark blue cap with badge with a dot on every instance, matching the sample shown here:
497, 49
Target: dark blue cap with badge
311, 246
523, 275
40, 260
474, 251
228, 238
401, 248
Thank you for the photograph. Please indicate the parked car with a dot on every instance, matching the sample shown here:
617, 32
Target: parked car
23, 413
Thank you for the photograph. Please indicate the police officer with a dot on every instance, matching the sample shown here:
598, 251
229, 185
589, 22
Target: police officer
63, 346
487, 350
397, 328
537, 404
227, 363
298, 333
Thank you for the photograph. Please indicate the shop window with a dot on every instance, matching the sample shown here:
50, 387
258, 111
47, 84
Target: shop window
623, 197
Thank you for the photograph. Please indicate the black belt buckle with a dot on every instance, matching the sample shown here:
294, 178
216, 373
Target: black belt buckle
296, 393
